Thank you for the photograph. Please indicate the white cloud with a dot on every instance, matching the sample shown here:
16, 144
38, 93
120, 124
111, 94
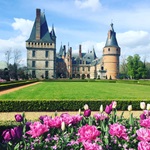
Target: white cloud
93, 4
24, 27
134, 42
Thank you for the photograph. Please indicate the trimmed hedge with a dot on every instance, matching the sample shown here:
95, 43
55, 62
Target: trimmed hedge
15, 84
74, 105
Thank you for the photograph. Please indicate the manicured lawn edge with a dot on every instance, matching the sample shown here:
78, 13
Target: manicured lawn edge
59, 105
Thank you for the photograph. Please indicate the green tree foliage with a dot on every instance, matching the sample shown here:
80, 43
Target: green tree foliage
136, 68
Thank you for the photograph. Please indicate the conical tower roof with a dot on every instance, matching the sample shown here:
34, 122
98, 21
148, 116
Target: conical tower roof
111, 39
40, 28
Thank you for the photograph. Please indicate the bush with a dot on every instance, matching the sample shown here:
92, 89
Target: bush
51, 105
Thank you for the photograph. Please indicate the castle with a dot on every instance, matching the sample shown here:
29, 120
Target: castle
43, 62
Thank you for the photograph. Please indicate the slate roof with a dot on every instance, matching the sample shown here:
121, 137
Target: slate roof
88, 57
112, 41
45, 35
96, 62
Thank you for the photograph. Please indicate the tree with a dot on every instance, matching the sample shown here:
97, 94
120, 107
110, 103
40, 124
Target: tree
136, 68
17, 60
8, 56
123, 67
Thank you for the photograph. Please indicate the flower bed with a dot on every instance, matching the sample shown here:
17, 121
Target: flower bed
102, 131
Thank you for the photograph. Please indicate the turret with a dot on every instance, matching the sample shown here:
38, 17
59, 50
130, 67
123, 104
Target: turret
111, 53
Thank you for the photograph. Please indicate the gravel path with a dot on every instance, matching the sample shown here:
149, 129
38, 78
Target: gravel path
9, 116
17, 88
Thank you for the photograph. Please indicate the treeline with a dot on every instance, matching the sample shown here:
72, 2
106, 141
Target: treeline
133, 67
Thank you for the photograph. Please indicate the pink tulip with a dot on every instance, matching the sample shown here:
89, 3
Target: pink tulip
53, 122
87, 112
19, 118
67, 118
145, 123
118, 130
88, 133
91, 146
37, 129
100, 116
143, 134
142, 145
108, 109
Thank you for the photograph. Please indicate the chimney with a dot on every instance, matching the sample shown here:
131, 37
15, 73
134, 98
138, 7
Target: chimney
80, 51
38, 31
70, 51
64, 47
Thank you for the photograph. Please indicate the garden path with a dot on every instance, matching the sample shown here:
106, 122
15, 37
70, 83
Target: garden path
9, 116
17, 88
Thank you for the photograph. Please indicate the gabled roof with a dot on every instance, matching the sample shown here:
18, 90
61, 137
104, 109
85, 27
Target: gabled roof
111, 39
45, 36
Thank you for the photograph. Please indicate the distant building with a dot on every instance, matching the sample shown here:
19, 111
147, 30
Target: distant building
43, 62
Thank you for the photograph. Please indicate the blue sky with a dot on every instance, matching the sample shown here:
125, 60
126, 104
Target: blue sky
83, 22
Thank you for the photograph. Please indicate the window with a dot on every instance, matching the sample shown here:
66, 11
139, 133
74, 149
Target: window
88, 68
46, 63
46, 74
108, 49
33, 74
33, 53
33, 63
46, 54
82, 68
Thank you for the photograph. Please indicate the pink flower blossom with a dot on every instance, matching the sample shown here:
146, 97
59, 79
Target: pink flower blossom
145, 123
100, 116
88, 133
37, 129
12, 134
142, 145
91, 146
108, 108
67, 118
143, 134
19, 118
53, 122
87, 112
118, 130
76, 119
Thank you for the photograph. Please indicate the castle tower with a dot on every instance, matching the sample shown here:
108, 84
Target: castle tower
111, 53
41, 49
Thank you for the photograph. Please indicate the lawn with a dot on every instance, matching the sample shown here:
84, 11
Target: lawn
80, 91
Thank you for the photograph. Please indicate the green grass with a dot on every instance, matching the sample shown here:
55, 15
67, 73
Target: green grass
80, 91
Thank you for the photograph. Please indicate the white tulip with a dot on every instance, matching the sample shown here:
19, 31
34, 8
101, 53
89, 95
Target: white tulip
63, 126
86, 107
148, 107
114, 104
79, 112
142, 105
101, 108
130, 108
